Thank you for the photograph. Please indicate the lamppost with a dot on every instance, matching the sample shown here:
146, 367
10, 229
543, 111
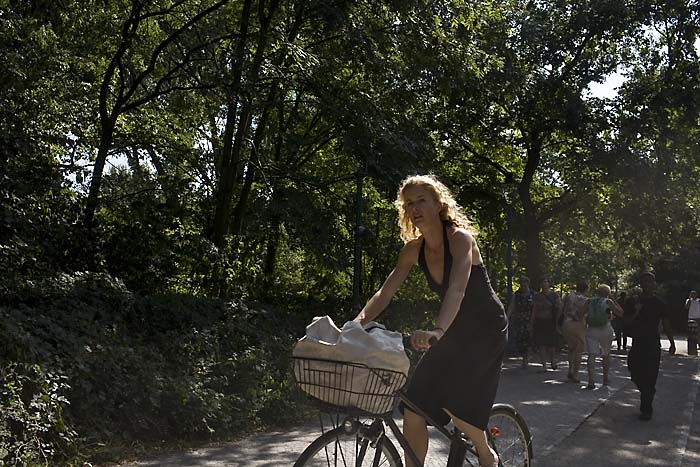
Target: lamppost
360, 232
508, 187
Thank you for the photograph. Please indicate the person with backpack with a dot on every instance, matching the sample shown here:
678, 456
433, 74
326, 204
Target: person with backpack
599, 333
546, 308
573, 328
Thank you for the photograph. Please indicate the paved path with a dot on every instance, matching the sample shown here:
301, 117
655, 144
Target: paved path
571, 425
613, 436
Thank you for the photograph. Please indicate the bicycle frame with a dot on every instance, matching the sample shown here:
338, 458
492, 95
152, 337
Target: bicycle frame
374, 434
458, 446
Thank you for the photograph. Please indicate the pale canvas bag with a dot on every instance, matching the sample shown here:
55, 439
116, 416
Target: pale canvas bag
371, 345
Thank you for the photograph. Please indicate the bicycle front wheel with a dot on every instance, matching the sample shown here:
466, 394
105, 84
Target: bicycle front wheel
335, 448
510, 437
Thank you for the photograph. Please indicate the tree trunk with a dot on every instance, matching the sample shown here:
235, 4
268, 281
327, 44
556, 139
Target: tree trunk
534, 257
132, 158
271, 255
229, 180
92, 201
251, 169
240, 210
230, 163
171, 198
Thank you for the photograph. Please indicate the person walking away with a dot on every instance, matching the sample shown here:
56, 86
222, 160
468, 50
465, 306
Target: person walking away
599, 333
620, 336
643, 312
692, 305
546, 308
457, 378
573, 328
520, 319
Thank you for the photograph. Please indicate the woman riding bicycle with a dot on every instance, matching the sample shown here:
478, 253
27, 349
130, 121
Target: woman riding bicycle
458, 376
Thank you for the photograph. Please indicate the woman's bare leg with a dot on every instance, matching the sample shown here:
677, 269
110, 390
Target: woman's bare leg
606, 370
542, 351
590, 364
577, 364
570, 357
415, 429
487, 457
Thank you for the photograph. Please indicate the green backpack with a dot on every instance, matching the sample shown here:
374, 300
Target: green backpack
597, 312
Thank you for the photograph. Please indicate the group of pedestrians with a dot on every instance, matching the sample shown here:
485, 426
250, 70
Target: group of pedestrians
533, 322
589, 324
539, 320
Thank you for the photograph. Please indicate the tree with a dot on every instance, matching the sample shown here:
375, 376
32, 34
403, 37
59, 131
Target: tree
529, 117
148, 58
657, 144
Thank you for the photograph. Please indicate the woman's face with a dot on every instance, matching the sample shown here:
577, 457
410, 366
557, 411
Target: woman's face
420, 205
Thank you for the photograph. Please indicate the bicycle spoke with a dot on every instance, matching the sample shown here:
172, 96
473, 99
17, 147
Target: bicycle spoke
510, 438
336, 449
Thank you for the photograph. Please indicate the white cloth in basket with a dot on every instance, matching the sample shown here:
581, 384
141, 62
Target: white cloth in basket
371, 345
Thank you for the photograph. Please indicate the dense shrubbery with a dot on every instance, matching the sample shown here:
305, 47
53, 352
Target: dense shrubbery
32, 427
95, 365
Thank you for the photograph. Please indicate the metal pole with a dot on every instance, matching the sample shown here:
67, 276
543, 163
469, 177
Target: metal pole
509, 250
359, 233
509, 184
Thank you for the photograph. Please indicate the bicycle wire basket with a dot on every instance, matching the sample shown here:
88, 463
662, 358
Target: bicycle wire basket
346, 386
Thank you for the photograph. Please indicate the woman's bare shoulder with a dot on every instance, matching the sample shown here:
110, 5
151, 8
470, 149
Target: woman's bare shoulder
459, 234
410, 251
461, 240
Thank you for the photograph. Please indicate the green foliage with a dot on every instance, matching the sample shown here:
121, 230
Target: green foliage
135, 369
33, 430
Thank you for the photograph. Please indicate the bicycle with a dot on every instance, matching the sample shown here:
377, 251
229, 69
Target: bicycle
361, 439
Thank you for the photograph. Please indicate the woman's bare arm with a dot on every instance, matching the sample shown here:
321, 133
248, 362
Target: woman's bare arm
381, 299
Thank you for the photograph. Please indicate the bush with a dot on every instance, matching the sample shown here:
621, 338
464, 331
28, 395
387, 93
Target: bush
32, 427
137, 369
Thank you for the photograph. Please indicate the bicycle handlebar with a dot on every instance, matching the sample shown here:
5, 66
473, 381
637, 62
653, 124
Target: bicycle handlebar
407, 341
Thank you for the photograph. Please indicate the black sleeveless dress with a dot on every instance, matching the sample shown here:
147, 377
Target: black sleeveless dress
461, 372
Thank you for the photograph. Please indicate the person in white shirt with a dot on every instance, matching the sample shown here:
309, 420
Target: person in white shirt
692, 304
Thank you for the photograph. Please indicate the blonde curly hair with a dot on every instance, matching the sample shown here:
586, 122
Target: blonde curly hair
451, 212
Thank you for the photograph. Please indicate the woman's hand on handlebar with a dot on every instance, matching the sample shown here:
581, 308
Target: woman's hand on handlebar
422, 340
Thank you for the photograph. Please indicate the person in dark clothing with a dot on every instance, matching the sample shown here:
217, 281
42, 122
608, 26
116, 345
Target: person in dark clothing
643, 312
616, 322
546, 309
520, 319
458, 376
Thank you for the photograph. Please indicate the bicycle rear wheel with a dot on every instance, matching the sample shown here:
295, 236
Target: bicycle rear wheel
510, 437
336, 448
